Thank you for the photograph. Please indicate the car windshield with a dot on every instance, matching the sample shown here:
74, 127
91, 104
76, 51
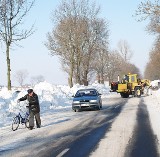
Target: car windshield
86, 93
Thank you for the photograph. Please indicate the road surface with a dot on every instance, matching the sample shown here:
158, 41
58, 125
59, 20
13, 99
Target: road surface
121, 129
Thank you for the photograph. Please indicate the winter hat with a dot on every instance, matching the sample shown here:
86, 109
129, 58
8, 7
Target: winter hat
30, 91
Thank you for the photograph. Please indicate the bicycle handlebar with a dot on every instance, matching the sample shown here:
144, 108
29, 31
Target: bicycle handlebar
22, 105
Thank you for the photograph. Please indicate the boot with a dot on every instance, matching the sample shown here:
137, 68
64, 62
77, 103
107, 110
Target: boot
38, 126
31, 127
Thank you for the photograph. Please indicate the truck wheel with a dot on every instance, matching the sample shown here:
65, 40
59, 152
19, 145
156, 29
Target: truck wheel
122, 95
126, 95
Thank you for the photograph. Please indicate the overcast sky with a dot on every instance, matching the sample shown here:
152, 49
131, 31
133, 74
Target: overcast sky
34, 57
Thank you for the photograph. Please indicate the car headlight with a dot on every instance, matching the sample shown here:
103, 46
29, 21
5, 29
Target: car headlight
93, 101
76, 102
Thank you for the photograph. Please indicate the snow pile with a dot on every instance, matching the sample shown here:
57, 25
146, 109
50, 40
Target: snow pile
51, 98
155, 83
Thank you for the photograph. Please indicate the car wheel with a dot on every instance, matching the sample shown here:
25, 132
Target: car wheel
98, 107
76, 110
100, 104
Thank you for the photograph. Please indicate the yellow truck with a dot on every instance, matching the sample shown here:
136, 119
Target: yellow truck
131, 85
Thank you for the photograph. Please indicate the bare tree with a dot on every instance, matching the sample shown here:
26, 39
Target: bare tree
99, 65
20, 76
119, 62
147, 9
152, 68
37, 79
75, 38
113, 69
12, 13
108, 65
150, 10
124, 50
97, 47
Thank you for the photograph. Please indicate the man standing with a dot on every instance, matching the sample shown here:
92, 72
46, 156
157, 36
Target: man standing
34, 108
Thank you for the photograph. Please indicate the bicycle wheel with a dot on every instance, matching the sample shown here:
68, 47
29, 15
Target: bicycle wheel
15, 123
27, 123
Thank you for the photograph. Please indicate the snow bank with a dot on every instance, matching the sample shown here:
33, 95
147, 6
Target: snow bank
51, 97
155, 83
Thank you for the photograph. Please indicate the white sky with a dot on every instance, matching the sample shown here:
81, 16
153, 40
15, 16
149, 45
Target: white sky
34, 57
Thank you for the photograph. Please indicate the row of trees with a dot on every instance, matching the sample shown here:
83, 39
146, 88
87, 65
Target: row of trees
151, 11
81, 40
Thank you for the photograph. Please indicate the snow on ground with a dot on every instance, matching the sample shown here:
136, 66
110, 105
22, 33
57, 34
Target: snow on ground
153, 106
52, 98
55, 102
155, 83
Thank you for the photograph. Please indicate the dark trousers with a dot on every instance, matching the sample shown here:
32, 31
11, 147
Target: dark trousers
31, 119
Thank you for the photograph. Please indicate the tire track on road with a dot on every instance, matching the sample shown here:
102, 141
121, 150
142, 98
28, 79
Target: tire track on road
143, 143
85, 140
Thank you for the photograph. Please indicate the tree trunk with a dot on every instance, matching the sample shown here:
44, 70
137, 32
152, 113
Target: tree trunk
70, 79
98, 78
109, 80
8, 67
102, 78
78, 80
85, 78
70, 82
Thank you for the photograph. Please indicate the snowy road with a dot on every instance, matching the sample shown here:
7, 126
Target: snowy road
84, 140
123, 128
143, 141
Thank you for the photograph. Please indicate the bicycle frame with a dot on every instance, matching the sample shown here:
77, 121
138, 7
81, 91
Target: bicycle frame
20, 119
23, 120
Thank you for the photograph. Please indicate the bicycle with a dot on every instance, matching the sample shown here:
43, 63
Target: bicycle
19, 119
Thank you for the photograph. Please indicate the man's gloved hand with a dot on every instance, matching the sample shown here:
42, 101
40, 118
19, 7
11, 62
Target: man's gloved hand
18, 101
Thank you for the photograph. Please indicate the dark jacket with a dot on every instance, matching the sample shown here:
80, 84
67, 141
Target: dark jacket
33, 102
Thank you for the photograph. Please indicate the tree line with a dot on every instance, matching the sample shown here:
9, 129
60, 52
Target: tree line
80, 38
150, 10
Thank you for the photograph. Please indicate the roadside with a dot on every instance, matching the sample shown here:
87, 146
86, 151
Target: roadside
124, 132
143, 141
153, 106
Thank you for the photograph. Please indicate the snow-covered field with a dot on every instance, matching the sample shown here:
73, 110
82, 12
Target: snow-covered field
55, 102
